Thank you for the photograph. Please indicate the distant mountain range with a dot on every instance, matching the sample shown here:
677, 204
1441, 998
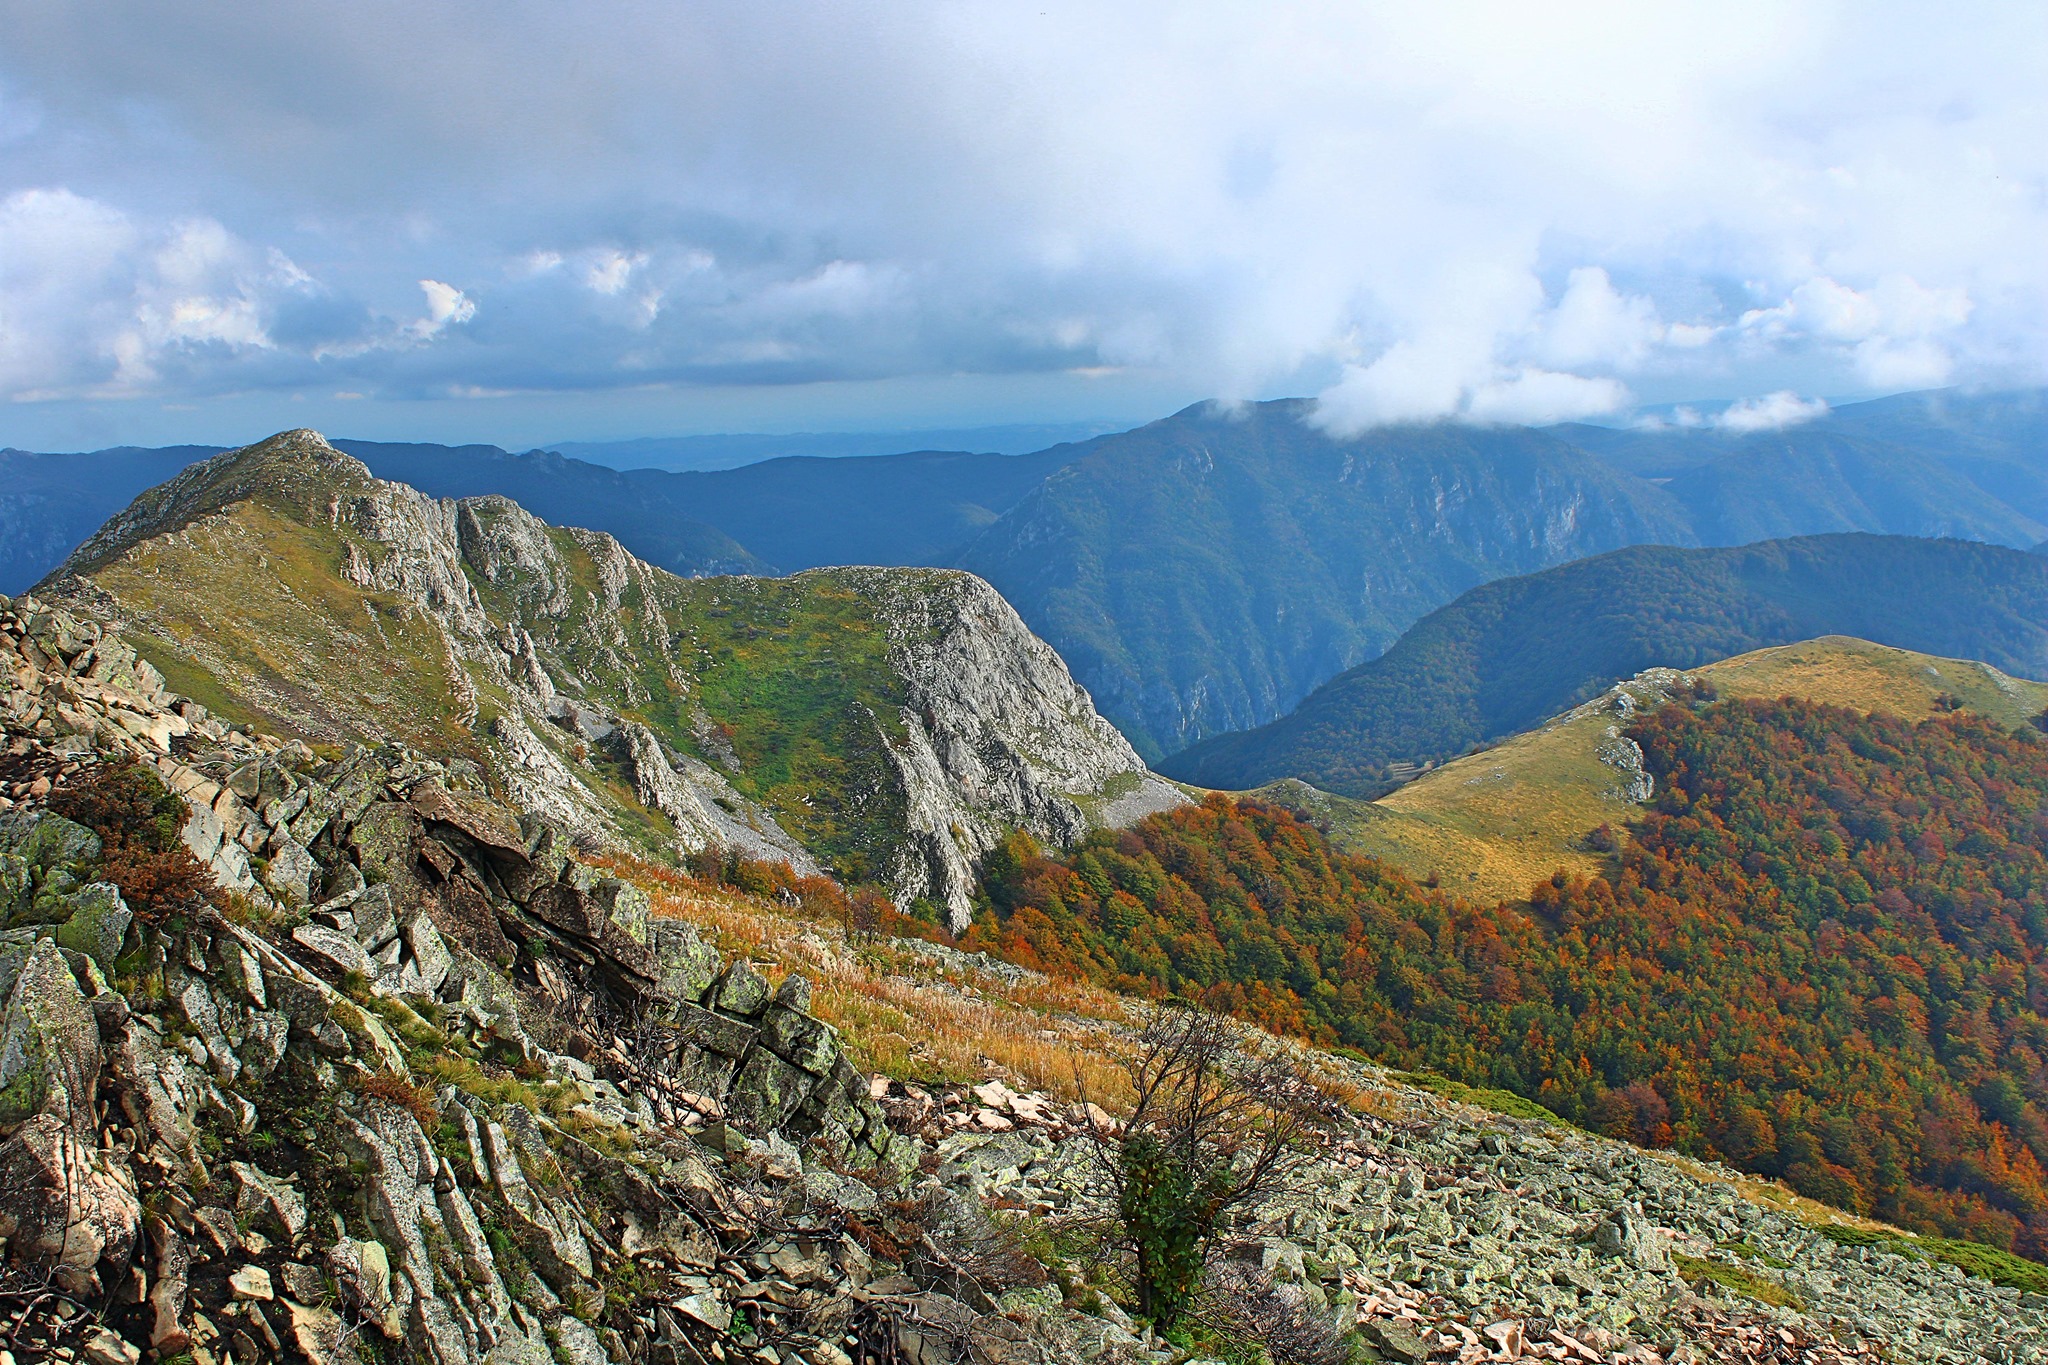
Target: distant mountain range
1205, 572
677, 454
1506, 655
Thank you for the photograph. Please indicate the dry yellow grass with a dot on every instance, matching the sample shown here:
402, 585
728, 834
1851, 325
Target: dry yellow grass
1492, 824
1844, 671
906, 1015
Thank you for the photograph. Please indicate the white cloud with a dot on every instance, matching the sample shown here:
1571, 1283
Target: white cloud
1540, 397
93, 302
1450, 376
1895, 334
96, 303
1468, 208
1772, 412
1595, 324
446, 306
610, 271
1411, 382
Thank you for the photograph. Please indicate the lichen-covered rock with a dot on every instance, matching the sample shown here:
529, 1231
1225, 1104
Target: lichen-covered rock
1626, 1234
686, 965
95, 923
267, 1202
49, 1042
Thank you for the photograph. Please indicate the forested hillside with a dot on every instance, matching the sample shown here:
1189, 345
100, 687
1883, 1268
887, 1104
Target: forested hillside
1512, 653
1824, 955
1204, 572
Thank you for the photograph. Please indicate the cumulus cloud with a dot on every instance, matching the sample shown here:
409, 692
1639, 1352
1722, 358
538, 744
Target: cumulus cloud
93, 302
1596, 324
1896, 333
1772, 412
1408, 385
1474, 209
1540, 397
446, 306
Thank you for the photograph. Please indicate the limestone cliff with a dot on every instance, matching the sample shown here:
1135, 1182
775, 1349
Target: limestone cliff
882, 724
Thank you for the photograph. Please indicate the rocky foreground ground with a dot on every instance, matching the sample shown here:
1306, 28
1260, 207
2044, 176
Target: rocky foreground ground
425, 1084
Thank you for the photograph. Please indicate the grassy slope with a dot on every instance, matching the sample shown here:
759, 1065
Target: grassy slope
1493, 823
906, 1015
793, 672
248, 610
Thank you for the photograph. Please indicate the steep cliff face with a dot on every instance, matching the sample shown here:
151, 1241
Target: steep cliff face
1203, 573
882, 724
996, 733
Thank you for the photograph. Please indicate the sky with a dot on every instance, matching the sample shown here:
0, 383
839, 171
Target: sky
526, 221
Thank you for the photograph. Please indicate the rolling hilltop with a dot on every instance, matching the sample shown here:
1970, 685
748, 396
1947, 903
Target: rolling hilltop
1492, 824
1818, 955
889, 724
1505, 656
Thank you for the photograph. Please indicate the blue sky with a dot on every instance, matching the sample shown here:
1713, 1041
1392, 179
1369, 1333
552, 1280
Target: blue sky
518, 222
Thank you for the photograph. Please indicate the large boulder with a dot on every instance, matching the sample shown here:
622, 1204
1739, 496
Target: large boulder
49, 1042
64, 1204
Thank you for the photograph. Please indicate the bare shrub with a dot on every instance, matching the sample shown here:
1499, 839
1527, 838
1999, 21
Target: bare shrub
1241, 1304
1212, 1131
967, 1253
416, 1100
139, 821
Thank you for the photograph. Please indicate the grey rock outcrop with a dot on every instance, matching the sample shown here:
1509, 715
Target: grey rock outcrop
316, 1101
998, 735
562, 649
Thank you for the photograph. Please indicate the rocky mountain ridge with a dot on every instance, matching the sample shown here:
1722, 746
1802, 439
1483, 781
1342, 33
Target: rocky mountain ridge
295, 584
1193, 600
427, 1087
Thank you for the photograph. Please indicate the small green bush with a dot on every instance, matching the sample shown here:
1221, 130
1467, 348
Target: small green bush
1737, 1280
1499, 1101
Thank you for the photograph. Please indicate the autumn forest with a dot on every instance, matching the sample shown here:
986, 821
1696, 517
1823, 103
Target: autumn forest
1818, 956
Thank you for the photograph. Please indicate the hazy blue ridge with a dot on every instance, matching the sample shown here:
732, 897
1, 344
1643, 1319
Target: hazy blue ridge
1203, 573
1512, 653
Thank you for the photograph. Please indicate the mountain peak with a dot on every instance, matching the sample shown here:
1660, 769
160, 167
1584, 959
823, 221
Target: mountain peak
284, 463
294, 471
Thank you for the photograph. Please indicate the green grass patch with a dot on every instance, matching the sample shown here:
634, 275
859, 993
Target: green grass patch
1972, 1258
1737, 1280
1741, 1248
1498, 1101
